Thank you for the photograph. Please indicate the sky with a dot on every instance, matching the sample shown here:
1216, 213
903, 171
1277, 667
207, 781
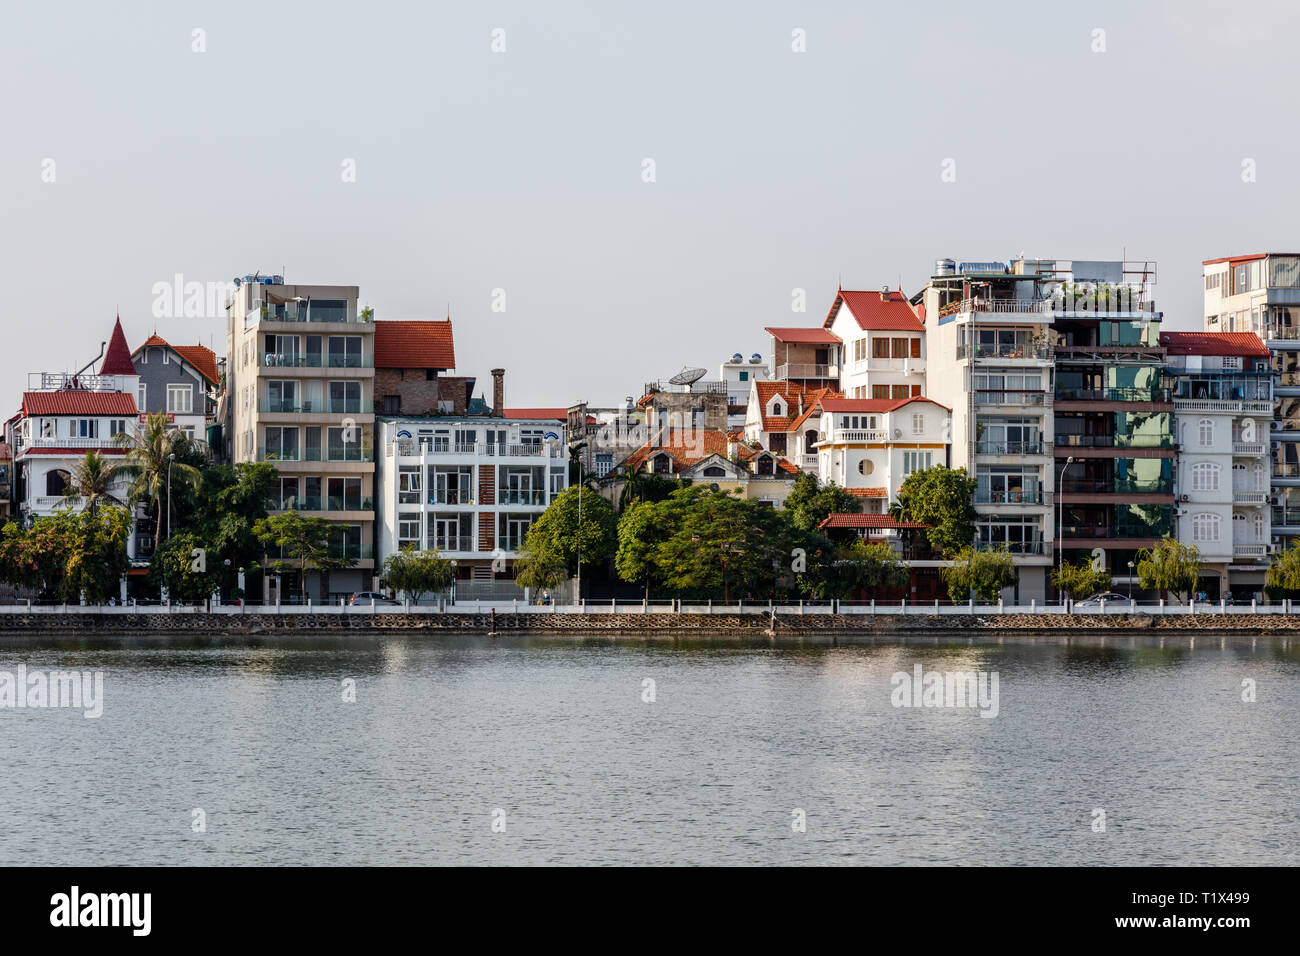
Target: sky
602, 193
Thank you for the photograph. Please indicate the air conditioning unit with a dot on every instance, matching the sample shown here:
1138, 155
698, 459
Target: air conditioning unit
1184, 497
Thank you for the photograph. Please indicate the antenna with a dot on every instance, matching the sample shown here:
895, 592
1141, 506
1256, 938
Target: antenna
688, 376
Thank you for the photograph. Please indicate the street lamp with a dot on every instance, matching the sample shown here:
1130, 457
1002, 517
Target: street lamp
1130, 582
1060, 515
171, 460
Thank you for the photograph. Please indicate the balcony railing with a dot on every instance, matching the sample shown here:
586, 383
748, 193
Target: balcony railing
69, 443
1032, 497
351, 552
1244, 406
324, 503
1280, 332
985, 304
451, 496
1113, 395
305, 313
362, 453
329, 406
1002, 396
1114, 441
1010, 448
1286, 470
536, 497
1036, 352
1286, 517
444, 446
293, 360
857, 435
1110, 486
451, 542
1249, 449
1243, 550
807, 461
529, 449
1113, 531
799, 370
1015, 547
1249, 497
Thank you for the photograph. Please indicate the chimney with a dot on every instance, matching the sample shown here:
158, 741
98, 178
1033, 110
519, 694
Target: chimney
499, 390
884, 293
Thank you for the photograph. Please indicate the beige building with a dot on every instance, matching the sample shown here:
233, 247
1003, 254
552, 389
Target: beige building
300, 394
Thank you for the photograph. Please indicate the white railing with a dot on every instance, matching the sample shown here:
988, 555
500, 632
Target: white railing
1249, 449
847, 435
52, 381
71, 443
1249, 497
1222, 405
1249, 550
807, 461
796, 370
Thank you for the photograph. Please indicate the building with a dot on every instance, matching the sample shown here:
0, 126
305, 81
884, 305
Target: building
987, 327
716, 459
469, 487
782, 417
300, 388
411, 362
63, 416
6, 478
908, 542
179, 381
871, 445
602, 438
1222, 396
739, 376
807, 356
1260, 293
883, 344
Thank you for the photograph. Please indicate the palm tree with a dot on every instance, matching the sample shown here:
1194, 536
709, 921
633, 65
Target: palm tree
91, 481
150, 454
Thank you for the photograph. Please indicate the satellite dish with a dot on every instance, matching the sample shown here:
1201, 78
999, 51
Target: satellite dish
688, 376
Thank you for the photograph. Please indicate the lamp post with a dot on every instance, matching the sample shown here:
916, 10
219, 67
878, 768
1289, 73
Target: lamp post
1060, 515
1130, 582
171, 460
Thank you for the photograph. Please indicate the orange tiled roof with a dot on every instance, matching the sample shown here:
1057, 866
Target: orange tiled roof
791, 392
1246, 344
685, 450
795, 336
868, 492
559, 413
414, 344
846, 520
877, 311
78, 402
202, 358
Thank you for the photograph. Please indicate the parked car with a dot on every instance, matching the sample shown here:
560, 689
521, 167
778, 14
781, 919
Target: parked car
1112, 598
364, 599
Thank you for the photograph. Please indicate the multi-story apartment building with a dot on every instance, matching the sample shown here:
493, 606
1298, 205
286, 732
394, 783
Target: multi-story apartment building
1222, 395
179, 381
986, 330
1260, 293
62, 417
469, 487
300, 382
871, 445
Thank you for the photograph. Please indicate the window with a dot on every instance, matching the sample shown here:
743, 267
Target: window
1259, 528
345, 351
408, 528
713, 471
900, 391
282, 442
866, 466
84, 428
916, 348
116, 426
776, 409
898, 348
344, 443
879, 391
604, 464
284, 495
880, 347
744, 376
164, 355
408, 485
1007, 485
392, 404
140, 399
282, 396
1205, 527
918, 423
345, 397
180, 398
1205, 432
1205, 476
144, 356
916, 461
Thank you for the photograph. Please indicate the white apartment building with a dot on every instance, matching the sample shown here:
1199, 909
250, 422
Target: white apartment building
739, 376
469, 487
1260, 293
1222, 409
870, 446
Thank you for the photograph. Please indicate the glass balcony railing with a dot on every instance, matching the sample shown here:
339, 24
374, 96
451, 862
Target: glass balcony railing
329, 406
1004, 350
523, 497
451, 497
1015, 547
351, 551
1113, 395
1000, 396
448, 542
324, 503
1009, 447
1123, 530
295, 360
1111, 486
307, 312
1032, 496
357, 452
1114, 441
1286, 516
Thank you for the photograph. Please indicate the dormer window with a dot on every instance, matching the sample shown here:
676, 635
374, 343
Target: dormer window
776, 409
763, 465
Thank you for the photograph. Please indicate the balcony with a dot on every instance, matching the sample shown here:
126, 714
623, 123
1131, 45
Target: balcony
324, 503
451, 496
801, 371
1004, 397
808, 462
1286, 470
1113, 395
305, 312
1030, 352
1029, 497
1239, 406
1015, 547
535, 498
1249, 497
1003, 306
1116, 531
1010, 448
444, 446
293, 360
353, 406
361, 454
1113, 441
847, 435
1286, 517
67, 443
351, 551
1247, 449
1111, 486
1241, 550
511, 543
451, 542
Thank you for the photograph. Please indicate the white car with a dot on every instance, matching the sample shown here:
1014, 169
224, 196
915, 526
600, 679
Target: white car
1111, 599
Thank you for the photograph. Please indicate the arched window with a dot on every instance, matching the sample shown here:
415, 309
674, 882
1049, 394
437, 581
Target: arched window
763, 466
56, 482
1205, 527
776, 410
1259, 478
1239, 478
1205, 432
1238, 529
714, 471
1259, 528
1205, 476
810, 439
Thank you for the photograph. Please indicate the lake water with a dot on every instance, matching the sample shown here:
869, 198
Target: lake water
446, 733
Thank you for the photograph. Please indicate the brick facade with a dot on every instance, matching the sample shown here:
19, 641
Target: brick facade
418, 394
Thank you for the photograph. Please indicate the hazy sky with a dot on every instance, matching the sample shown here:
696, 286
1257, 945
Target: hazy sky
522, 170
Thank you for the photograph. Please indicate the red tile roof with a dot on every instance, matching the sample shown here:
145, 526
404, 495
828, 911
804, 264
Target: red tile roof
200, 357
790, 393
421, 344
1250, 258
868, 492
804, 336
687, 450
1214, 343
79, 402
561, 414
117, 360
877, 311
842, 520
877, 405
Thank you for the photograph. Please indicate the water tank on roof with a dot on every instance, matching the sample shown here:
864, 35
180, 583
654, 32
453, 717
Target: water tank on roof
737, 358
755, 359
945, 267
998, 268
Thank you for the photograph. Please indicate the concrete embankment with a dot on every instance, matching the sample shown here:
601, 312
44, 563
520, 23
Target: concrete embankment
160, 621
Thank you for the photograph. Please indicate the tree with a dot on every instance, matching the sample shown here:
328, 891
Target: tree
307, 539
1284, 573
417, 572
985, 572
808, 504
643, 528
68, 553
722, 541
561, 535
641, 485
859, 565
940, 498
1080, 580
91, 482
184, 566
153, 451
1169, 566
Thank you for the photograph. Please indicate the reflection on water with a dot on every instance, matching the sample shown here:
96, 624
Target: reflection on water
555, 732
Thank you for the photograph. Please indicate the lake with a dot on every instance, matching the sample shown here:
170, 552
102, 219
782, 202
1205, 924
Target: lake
545, 750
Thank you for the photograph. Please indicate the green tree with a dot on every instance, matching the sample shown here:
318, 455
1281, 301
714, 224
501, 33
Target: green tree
418, 572
641, 485
859, 565
1284, 573
186, 574
562, 534
940, 498
984, 572
91, 482
809, 503
62, 555
1169, 566
152, 452
307, 539
643, 528
721, 543
1080, 581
